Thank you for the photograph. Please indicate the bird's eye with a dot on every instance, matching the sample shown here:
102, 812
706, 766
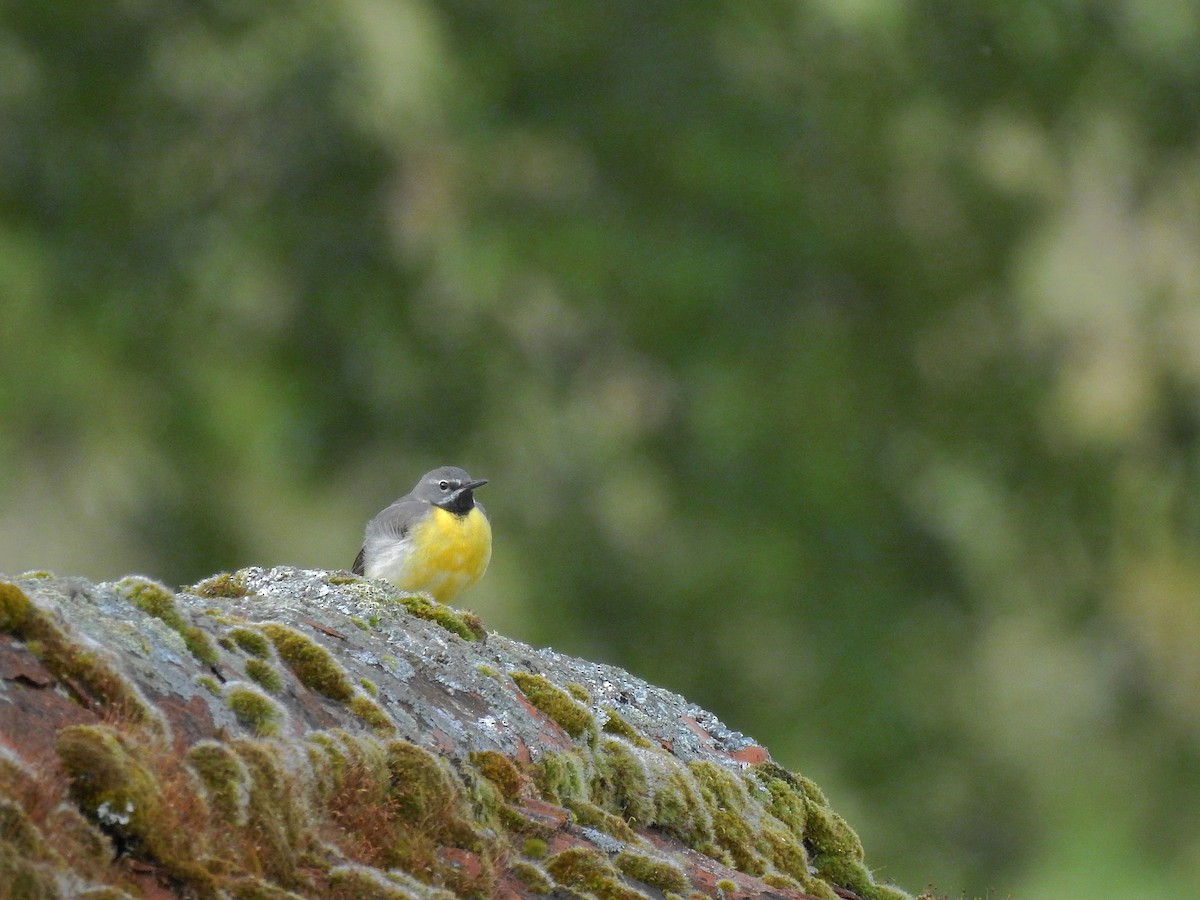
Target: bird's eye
444, 485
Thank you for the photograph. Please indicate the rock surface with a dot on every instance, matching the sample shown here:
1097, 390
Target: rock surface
289, 733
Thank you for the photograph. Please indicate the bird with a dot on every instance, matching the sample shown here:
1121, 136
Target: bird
435, 540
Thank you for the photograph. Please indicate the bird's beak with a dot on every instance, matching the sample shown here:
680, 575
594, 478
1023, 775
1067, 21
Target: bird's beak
471, 485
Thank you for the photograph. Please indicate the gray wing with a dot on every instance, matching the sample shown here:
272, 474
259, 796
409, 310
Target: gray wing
396, 519
389, 525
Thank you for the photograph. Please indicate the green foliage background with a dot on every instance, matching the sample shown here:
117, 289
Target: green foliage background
836, 364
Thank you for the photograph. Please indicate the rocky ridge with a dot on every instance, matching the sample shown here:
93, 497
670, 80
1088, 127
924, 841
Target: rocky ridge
288, 733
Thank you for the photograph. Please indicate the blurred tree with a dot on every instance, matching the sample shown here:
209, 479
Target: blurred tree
834, 364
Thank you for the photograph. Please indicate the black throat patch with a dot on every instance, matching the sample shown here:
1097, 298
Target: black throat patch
460, 503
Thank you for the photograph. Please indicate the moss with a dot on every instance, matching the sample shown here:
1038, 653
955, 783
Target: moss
615, 725
352, 882
156, 600
591, 815
85, 673
397, 806
369, 686
728, 805
560, 777
275, 829
251, 642
590, 871
73, 836
843, 871
620, 783
254, 711
782, 881
224, 778
510, 819
454, 622
389, 804
785, 851
556, 703
789, 804
359, 623
223, 585
112, 786
579, 692
338, 580
474, 624
485, 669
534, 848
488, 807
754, 820
735, 835
789, 801
310, 662
422, 791
658, 873
725, 886
801, 809
720, 812
718, 785
250, 888
264, 674
680, 811
829, 834
332, 751
269, 827
148, 596
405, 808
223, 617
335, 754
14, 607
107, 685
25, 878
210, 684
500, 771
19, 833
885, 892
199, 644
811, 791
372, 713
534, 879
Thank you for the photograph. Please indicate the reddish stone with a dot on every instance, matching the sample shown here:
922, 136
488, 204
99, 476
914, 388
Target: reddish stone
552, 734
508, 888
466, 862
33, 710
544, 813
18, 664
753, 754
324, 629
705, 872
188, 722
523, 756
442, 741
152, 882
696, 728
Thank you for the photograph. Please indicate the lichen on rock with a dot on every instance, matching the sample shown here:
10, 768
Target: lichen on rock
295, 753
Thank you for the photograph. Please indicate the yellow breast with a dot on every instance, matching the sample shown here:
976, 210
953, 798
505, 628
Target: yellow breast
449, 554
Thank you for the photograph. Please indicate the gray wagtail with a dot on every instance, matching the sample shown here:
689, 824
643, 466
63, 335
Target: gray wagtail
436, 539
